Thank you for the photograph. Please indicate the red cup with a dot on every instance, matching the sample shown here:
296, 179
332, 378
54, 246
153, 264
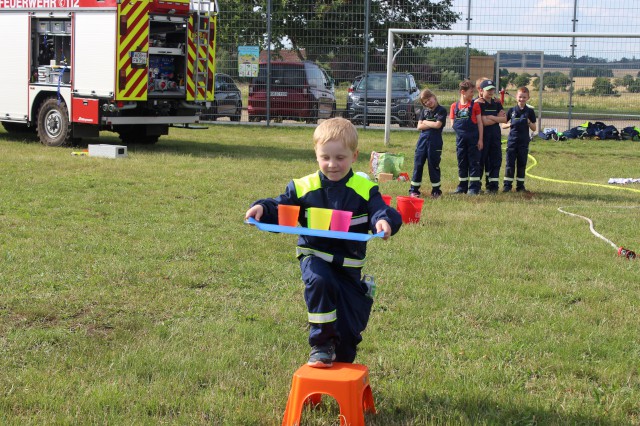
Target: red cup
387, 199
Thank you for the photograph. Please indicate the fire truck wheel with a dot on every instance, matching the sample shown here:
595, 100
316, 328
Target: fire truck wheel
53, 123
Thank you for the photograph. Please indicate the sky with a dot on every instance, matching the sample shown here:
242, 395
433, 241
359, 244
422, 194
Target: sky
593, 16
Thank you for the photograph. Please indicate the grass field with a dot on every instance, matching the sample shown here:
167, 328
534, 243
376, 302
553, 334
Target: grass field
132, 293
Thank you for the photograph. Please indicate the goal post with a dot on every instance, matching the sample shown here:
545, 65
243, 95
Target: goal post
392, 32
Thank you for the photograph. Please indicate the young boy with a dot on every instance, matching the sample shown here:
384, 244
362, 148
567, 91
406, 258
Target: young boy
429, 147
337, 298
521, 120
492, 115
467, 123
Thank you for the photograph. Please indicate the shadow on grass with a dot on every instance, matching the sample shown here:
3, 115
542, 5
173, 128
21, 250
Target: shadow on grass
423, 409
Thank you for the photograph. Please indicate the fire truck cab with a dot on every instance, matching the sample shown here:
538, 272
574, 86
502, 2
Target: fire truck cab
75, 67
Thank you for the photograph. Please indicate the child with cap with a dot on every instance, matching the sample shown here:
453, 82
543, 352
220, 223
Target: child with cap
492, 115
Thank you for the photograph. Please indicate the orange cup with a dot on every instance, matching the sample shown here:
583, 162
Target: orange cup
288, 215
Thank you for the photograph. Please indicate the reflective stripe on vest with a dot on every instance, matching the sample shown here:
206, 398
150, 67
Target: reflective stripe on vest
351, 263
307, 184
322, 318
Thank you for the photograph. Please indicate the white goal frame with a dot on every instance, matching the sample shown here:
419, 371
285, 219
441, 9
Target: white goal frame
399, 31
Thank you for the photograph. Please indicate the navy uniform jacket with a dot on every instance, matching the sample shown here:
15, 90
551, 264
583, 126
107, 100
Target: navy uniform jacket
519, 133
437, 114
492, 107
352, 193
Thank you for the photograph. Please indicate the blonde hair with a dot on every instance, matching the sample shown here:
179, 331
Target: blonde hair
336, 129
427, 94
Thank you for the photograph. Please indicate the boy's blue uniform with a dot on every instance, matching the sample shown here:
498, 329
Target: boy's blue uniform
518, 144
429, 149
492, 145
338, 307
467, 152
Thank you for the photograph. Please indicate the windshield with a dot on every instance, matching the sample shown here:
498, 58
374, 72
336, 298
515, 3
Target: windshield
378, 82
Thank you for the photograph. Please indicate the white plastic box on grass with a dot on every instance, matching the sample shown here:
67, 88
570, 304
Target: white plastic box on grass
107, 151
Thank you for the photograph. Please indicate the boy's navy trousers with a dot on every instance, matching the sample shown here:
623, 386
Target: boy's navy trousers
492, 162
429, 150
469, 168
516, 160
331, 288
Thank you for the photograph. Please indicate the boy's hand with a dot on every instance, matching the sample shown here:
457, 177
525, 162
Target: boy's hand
254, 212
480, 145
383, 225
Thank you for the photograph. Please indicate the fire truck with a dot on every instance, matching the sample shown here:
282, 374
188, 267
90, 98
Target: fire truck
135, 67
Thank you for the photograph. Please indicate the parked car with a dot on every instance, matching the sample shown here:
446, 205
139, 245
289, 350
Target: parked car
227, 101
404, 99
299, 90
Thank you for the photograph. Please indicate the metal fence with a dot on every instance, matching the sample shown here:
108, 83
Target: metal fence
326, 49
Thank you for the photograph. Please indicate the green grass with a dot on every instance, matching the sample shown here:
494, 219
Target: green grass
132, 293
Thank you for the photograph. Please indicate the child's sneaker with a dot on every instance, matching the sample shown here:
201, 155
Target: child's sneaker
322, 356
436, 193
414, 194
506, 188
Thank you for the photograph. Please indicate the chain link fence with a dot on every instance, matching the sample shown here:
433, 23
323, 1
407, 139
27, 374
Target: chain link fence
316, 54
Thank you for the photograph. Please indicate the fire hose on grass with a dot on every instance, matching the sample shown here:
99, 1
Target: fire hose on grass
623, 252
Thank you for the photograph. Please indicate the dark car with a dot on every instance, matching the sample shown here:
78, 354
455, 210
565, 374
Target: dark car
227, 100
299, 91
404, 99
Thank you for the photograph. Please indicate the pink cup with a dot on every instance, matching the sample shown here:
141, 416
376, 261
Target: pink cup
341, 220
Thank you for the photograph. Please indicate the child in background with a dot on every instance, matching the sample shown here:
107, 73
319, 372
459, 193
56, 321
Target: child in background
338, 300
492, 115
429, 147
521, 120
467, 123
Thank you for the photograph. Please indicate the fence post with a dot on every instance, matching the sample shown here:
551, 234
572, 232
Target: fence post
268, 117
367, 13
573, 58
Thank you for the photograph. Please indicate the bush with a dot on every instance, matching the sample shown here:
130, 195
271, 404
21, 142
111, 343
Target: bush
450, 80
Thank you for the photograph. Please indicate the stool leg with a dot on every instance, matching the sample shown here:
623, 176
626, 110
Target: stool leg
293, 412
367, 400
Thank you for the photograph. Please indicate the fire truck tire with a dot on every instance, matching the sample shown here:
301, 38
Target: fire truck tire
53, 123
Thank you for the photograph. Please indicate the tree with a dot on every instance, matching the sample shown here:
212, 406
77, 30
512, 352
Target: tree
522, 80
602, 87
315, 28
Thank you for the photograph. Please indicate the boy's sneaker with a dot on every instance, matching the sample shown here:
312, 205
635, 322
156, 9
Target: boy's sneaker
436, 193
414, 194
459, 191
506, 189
322, 356
473, 192
522, 189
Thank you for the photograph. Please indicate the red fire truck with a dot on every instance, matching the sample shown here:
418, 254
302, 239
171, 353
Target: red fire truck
76, 67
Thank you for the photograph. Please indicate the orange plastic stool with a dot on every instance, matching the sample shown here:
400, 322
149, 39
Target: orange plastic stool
347, 383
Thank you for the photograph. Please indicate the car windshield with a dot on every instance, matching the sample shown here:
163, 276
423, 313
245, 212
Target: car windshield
378, 82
